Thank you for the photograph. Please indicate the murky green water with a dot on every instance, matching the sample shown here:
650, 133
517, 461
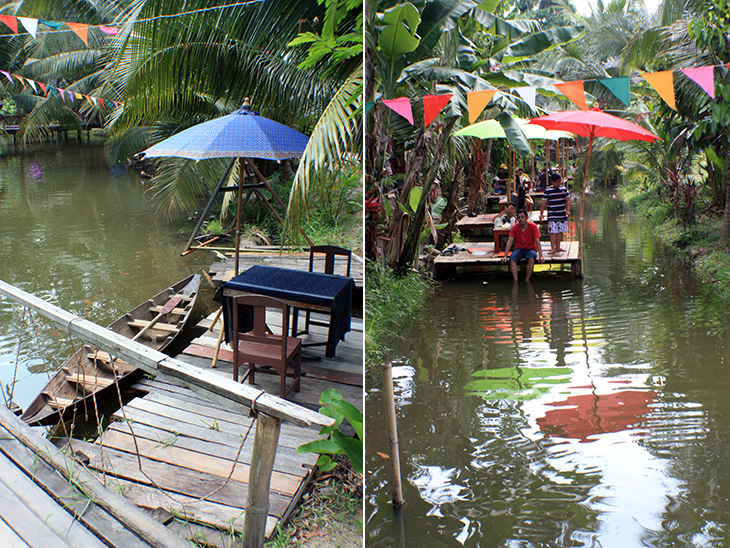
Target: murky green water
562, 413
83, 237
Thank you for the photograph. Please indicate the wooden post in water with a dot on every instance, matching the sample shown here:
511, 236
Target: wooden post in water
259, 478
395, 478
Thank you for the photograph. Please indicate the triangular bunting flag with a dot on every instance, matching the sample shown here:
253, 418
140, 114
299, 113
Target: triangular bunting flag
43, 87
78, 95
432, 105
62, 92
703, 77
10, 22
528, 94
401, 105
32, 84
70, 95
113, 31
369, 105
620, 87
89, 100
94, 100
575, 92
7, 75
55, 25
476, 101
31, 25
20, 79
81, 31
663, 83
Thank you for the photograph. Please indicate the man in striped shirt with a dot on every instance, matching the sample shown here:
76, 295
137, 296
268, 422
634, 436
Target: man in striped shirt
556, 200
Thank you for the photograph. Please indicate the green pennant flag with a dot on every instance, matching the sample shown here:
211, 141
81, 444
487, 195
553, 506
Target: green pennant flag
620, 87
369, 105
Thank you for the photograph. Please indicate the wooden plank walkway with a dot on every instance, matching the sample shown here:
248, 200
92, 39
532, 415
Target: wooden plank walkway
188, 446
486, 221
41, 509
480, 255
222, 271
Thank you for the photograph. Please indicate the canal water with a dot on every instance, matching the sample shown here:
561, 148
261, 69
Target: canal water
561, 412
82, 236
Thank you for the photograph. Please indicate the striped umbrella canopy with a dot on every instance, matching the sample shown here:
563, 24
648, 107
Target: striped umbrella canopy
241, 134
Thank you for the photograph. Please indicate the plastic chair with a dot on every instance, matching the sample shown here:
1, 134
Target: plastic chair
330, 252
260, 347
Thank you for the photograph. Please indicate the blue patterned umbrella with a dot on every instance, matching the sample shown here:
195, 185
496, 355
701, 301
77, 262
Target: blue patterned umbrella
242, 134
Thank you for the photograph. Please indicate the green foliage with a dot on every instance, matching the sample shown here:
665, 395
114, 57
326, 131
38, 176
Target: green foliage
336, 442
214, 226
391, 301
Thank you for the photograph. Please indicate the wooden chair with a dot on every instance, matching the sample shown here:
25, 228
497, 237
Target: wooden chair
330, 252
260, 347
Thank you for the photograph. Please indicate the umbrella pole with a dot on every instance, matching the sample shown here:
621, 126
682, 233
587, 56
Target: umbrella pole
238, 217
582, 203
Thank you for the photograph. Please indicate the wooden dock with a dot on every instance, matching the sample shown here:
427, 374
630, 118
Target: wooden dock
42, 508
188, 445
486, 221
222, 271
480, 256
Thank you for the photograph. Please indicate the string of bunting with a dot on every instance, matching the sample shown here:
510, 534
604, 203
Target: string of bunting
30, 24
477, 101
55, 91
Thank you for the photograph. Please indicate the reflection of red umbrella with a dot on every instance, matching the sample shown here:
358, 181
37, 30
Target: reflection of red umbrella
589, 414
593, 123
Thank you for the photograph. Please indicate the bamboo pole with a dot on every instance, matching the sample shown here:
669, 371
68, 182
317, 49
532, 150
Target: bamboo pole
395, 476
265, 443
133, 518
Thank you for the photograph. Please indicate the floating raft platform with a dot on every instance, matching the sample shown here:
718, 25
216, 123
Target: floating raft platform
473, 257
485, 221
188, 445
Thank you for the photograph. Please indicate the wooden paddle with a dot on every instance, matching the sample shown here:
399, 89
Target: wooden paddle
169, 305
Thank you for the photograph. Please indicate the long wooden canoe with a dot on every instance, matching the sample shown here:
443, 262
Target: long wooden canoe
90, 375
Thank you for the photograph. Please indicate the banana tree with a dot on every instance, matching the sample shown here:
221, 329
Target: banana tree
444, 46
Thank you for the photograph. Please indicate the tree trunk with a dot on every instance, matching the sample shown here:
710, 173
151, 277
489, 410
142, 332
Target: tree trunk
410, 245
725, 231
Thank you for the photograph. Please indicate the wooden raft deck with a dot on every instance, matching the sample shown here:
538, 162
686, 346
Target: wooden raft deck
189, 445
480, 255
39, 508
486, 221
222, 271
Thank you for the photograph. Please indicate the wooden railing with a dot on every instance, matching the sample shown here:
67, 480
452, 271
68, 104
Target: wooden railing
270, 409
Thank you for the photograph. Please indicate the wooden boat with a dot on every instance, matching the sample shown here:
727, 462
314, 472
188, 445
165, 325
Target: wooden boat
91, 374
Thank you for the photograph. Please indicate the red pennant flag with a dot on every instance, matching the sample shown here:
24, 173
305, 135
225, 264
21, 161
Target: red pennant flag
10, 22
81, 31
432, 105
43, 87
401, 105
575, 92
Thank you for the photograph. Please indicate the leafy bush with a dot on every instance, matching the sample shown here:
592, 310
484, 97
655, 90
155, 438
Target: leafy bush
337, 443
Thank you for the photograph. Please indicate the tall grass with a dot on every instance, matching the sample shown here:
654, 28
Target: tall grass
390, 301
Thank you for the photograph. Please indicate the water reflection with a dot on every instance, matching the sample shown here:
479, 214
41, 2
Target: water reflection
562, 413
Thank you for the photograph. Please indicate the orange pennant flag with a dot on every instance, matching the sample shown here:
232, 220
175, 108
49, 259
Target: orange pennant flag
663, 83
81, 31
20, 79
575, 92
476, 101
89, 100
11, 22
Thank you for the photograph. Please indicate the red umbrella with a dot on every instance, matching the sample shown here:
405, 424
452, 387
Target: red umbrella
593, 123
585, 415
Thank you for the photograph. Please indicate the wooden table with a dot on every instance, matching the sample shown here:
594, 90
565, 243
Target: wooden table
305, 290
499, 233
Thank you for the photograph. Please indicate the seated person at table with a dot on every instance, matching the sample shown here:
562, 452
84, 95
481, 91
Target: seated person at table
542, 180
505, 220
526, 237
501, 179
521, 178
521, 198
498, 186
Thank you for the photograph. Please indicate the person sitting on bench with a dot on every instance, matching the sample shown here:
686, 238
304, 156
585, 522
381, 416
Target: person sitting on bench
526, 237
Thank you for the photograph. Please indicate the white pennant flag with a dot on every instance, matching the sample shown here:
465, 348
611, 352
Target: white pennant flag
528, 95
32, 84
31, 25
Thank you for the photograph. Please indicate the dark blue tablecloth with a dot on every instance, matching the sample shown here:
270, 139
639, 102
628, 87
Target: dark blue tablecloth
314, 288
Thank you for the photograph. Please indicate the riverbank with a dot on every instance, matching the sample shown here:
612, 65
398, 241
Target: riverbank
699, 242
